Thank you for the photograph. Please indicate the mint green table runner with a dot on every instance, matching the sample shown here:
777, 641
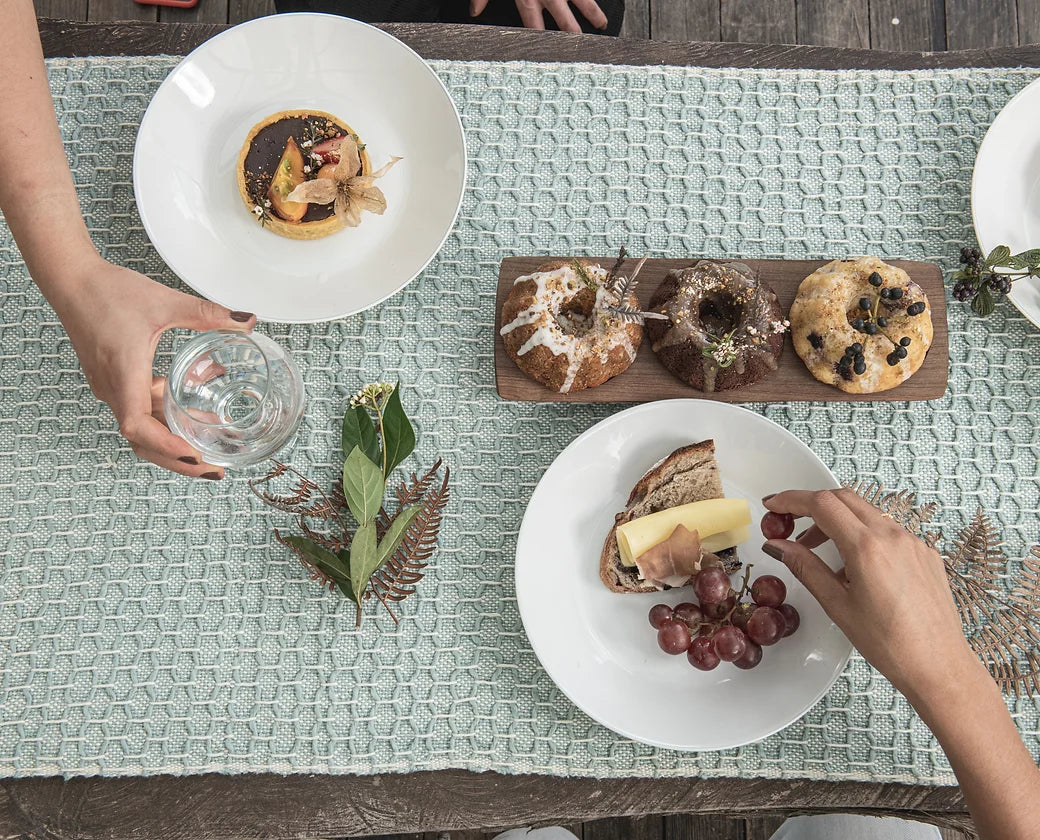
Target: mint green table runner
149, 624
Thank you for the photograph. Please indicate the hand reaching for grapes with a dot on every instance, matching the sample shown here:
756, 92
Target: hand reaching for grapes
891, 598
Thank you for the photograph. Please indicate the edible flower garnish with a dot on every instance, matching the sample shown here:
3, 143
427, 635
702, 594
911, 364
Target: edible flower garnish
351, 192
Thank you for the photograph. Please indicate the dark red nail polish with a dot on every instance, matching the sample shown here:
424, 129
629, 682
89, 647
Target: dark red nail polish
241, 317
211, 476
773, 552
188, 459
767, 498
802, 534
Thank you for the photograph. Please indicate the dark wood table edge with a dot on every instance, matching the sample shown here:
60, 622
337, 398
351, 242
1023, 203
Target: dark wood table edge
465, 42
268, 805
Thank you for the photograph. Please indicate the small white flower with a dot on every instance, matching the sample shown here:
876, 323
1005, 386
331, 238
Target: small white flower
267, 202
258, 210
372, 395
306, 170
307, 144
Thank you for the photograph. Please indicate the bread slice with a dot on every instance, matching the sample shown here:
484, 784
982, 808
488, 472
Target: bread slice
689, 474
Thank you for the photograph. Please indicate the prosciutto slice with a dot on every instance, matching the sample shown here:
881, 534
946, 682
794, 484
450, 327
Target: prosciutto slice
672, 562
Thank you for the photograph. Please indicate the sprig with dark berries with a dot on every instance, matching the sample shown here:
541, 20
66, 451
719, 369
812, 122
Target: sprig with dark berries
979, 281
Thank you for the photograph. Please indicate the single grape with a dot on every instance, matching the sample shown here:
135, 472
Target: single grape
766, 626
768, 591
702, 656
730, 643
674, 637
659, 614
777, 526
791, 618
689, 614
718, 611
741, 615
752, 656
711, 585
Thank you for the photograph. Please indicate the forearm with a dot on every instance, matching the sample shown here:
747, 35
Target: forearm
37, 194
999, 780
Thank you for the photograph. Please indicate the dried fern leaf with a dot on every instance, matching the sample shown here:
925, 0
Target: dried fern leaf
976, 551
315, 573
398, 577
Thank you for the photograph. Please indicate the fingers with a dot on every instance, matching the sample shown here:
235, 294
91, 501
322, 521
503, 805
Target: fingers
593, 13
476, 7
826, 586
531, 14
195, 313
564, 17
193, 470
811, 537
832, 516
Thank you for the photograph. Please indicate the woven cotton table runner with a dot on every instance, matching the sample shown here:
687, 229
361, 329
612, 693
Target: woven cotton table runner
150, 624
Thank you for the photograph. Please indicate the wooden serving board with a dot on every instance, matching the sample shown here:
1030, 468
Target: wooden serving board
647, 380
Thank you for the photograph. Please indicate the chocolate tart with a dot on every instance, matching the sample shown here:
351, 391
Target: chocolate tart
259, 158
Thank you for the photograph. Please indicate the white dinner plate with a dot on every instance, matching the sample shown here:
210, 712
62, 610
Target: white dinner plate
598, 646
190, 137
1005, 189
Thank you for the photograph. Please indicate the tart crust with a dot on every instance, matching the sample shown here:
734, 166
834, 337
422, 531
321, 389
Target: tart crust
294, 230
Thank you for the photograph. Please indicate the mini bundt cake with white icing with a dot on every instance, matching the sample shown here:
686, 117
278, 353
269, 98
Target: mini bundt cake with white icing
562, 328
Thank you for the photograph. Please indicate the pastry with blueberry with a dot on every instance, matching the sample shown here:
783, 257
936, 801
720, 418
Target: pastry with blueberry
861, 325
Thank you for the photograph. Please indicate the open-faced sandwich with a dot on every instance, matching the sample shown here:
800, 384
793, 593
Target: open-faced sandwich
675, 523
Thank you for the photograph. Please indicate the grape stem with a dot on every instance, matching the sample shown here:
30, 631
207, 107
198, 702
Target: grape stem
726, 619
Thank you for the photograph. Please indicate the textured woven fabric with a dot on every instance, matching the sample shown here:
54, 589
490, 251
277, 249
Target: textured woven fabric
149, 624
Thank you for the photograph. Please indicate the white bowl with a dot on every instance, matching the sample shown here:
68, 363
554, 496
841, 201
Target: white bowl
191, 134
1005, 189
598, 646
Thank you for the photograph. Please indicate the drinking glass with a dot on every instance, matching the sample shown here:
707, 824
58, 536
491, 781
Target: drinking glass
236, 397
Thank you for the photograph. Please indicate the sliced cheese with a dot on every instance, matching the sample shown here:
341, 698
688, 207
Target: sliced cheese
727, 539
708, 518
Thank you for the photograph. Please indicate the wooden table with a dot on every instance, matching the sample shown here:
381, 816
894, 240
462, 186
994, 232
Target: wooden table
267, 805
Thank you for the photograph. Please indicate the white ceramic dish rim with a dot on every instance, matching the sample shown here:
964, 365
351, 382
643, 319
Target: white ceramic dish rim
234, 30
522, 601
1005, 116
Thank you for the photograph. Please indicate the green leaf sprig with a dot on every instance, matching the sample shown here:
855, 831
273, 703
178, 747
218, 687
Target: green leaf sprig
979, 280
721, 349
373, 448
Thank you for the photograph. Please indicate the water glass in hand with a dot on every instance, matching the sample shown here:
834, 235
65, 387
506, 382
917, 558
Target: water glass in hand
236, 397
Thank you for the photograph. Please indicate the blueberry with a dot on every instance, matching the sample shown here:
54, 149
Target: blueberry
815, 341
856, 347
882, 321
864, 303
900, 352
870, 329
885, 293
875, 279
858, 323
915, 308
905, 341
892, 359
895, 294
860, 368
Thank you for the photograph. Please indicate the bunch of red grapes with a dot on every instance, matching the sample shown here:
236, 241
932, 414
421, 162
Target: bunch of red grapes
721, 626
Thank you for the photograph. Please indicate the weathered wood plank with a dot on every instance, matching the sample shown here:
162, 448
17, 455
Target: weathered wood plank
258, 806
207, 11
685, 20
693, 827
490, 44
106, 10
637, 19
833, 23
1028, 21
759, 21
61, 9
240, 10
644, 828
980, 23
756, 829
908, 24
